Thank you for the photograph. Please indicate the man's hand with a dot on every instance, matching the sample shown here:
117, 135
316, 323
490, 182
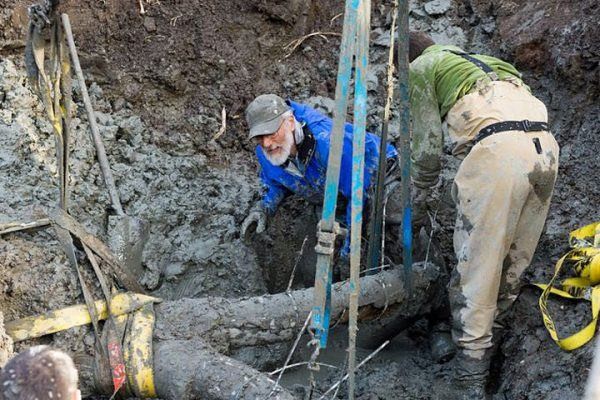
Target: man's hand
256, 216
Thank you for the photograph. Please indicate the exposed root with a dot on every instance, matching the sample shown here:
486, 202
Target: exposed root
294, 44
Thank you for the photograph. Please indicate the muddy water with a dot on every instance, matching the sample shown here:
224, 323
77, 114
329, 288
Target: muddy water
336, 355
403, 369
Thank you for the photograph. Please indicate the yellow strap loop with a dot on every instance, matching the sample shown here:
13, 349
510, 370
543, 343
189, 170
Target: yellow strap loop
60, 320
586, 334
594, 268
588, 235
138, 353
558, 292
585, 261
137, 348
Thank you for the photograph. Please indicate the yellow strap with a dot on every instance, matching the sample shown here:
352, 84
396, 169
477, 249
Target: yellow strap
584, 335
558, 292
586, 263
584, 260
578, 287
589, 234
593, 265
138, 353
60, 320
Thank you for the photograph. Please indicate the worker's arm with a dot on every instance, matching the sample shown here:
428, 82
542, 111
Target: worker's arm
273, 195
316, 121
427, 139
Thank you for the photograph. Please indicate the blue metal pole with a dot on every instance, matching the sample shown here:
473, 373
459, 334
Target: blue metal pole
375, 248
403, 67
358, 170
326, 230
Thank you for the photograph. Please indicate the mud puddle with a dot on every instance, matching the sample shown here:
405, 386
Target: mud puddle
401, 370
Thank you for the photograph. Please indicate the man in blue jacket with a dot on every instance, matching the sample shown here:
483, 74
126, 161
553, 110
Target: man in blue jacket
292, 150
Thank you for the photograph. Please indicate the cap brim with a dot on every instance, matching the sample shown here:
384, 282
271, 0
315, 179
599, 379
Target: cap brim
265, 128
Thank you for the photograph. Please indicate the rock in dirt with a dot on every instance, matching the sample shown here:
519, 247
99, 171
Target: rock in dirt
437, 7
150, 24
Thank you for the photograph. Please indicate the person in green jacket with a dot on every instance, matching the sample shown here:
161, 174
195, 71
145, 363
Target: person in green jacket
502, 189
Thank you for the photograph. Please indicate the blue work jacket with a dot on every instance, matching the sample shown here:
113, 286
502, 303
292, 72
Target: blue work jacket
307, 179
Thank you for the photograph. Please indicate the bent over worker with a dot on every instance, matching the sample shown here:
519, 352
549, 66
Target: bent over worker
502, 188
292, 150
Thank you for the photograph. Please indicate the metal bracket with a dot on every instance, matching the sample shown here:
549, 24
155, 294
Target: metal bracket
326, 239
323, 279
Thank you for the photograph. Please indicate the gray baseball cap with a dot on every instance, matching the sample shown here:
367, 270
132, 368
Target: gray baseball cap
264, 114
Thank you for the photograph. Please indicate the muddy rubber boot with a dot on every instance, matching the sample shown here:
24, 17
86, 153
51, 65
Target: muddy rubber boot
442, 347
469, 376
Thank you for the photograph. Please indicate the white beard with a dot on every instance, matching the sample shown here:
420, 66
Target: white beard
284, 152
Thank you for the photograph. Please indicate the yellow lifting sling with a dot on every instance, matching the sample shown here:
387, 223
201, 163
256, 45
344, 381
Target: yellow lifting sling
137, 341
584, 261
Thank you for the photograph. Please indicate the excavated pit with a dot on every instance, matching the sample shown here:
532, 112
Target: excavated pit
159, 82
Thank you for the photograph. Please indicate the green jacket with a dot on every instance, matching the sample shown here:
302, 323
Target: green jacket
437, 80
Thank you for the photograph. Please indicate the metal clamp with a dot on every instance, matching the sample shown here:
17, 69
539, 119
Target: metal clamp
326, 239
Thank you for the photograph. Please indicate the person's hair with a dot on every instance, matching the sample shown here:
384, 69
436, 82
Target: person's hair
297, 130
417, 43
39, 373
286, 115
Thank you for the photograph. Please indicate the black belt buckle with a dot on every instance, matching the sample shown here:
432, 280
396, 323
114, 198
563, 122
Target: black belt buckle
526, 125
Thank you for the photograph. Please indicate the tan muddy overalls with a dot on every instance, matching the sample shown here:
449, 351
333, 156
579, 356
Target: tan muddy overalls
502, 192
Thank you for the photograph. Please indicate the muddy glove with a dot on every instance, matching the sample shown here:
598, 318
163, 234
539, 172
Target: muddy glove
256, 217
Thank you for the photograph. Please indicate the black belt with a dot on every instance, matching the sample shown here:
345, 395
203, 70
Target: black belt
524, 126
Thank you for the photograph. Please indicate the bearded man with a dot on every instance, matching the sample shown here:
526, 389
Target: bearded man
293, 148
